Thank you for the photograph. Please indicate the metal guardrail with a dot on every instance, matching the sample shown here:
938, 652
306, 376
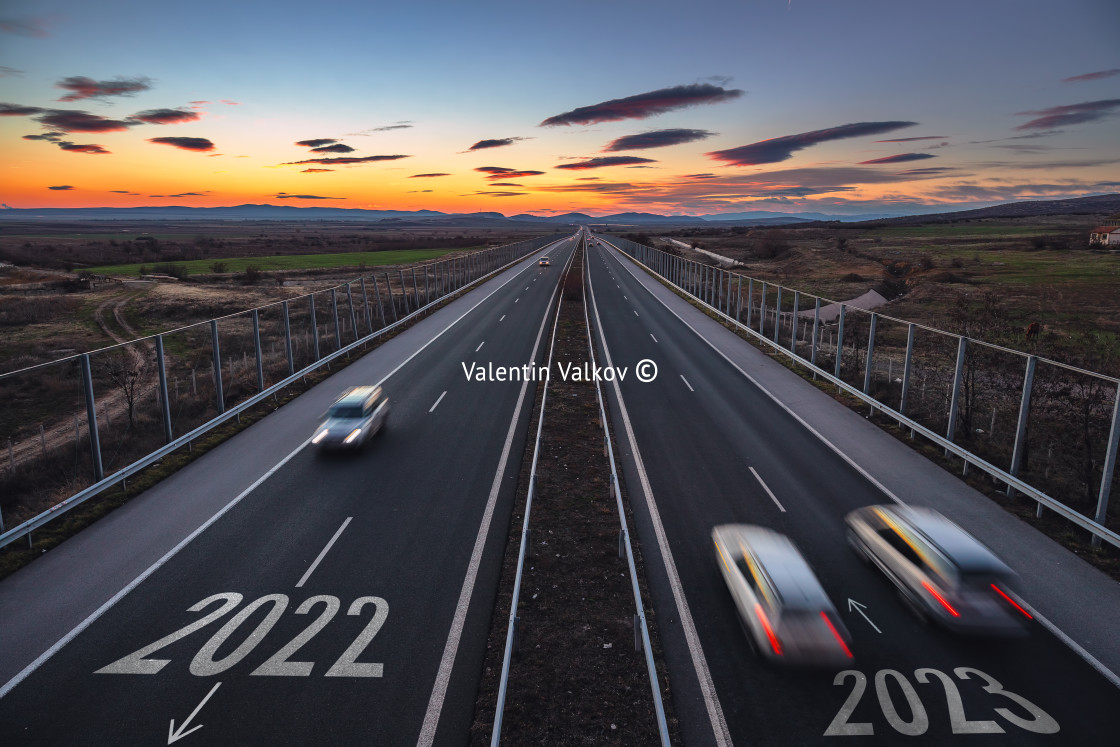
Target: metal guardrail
472, 270
711, 287
640, 625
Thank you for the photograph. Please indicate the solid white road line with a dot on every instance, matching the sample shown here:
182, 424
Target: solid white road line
769, 492
687, 384
699, 663
438, 401
654, 338
187, 540
443, 677
480, 346
323, 554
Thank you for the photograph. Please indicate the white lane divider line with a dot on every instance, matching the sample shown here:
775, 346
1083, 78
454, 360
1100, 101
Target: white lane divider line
687, 384
769, 492
480, 346
636, 313
323, 554
517, 299
503, 317
654, 338
624, 298
438, 401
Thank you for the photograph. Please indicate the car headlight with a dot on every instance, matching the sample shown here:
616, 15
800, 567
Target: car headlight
353, 434
320, 435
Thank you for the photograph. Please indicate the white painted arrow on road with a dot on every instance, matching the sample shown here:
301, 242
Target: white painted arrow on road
174, 735
853, 604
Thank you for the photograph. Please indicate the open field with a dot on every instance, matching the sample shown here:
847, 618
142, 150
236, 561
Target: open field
287, 262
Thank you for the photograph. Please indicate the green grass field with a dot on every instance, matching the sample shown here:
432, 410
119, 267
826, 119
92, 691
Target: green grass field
286, 262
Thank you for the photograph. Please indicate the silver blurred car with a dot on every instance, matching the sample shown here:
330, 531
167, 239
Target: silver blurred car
943, 573
781, 603
353, 419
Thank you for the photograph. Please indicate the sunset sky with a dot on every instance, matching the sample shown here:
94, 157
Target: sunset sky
699, 107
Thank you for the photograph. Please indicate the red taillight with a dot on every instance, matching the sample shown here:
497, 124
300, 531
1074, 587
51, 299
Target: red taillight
774, 642
1012, 601
836, 633
941, 599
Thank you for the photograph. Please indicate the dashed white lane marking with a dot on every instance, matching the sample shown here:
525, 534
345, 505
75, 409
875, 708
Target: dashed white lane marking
687, 384
480, 346
438, 401
636, 312
517, 299
654, 338
503, 317
323, 554
769, 492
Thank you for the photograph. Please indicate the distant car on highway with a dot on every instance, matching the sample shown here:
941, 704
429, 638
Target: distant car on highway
782, 605
353, 419
544, 262
943, 573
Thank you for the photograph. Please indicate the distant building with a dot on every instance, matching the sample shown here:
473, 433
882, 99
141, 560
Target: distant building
1105, 235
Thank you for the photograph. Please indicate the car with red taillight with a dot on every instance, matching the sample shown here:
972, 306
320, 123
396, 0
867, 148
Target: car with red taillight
782, 605
943, 573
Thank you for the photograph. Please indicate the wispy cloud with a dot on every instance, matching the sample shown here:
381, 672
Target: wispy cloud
1099, 75
506, 184
165, 116
345, 160
81, 87
18, 110
33, 27
316, 171
427, 176
656, 139
74, 120
62, 188
779, 149
90, 148
502, 194
1070, 114
402, 125
911, 139
286, 196
495, 143
604, 161
335, 148
7, 72
645, 105
898, 158
197, 144
494, 173
317, 142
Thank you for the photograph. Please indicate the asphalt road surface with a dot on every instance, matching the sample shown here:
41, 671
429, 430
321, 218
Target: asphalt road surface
700, 428
346, 598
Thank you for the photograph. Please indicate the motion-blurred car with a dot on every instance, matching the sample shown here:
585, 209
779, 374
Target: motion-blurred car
781, 603
943, 573
353, 419
544, 262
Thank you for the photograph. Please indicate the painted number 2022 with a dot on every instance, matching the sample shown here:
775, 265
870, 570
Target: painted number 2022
280, 664
1039, 722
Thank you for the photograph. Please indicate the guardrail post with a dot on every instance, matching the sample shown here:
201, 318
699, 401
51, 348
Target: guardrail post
257, 349
353, 315
161, 366
739, 299
793, 337
870, 352
427, 287
314, 327
392, 302
750, 301
719, 290
816, 327
365, 303
416, 289
91, 420
952, 429
1109, 467
907, 368
762, 309
217, 366
778, 315
337, 328
1021, 426
288, 340
404, 292
840, 341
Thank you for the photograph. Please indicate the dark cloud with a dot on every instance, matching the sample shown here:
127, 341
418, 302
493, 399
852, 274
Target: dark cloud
644, 105
598, 163
61, 188
336, 148
391, 127
588, 178
418, 191
1070, 114
502, 194
656, 139
345, 160
318, 142
426, 176
286, 196
506, 184
498, 143
81, 87
18, 110
184, 143
933, 171
899, 158
316, 171
121, 192
24, 27
494, 173
165, 116
52, 137
188, 194
700, 176
74, 120
779, 149
6, 71
90, 148
911, 139
968, 192
1093, 76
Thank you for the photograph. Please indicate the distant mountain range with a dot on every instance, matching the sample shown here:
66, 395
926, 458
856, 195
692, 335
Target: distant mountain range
1100, 204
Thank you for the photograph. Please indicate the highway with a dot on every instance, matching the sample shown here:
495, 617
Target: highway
339, 599
702, 445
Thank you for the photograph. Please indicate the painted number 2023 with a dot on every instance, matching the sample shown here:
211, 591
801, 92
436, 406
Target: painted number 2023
1039, 722
279, 664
